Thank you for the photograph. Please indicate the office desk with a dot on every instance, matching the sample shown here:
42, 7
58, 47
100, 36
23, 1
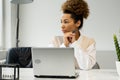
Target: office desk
95, 74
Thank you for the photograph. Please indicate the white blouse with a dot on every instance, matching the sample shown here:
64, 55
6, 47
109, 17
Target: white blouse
85, 51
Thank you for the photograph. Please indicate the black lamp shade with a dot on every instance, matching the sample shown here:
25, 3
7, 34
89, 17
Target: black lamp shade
21, 1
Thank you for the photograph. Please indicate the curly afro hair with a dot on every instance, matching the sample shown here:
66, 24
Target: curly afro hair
78, 7
78, 10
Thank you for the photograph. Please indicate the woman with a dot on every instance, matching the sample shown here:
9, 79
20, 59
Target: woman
74, 11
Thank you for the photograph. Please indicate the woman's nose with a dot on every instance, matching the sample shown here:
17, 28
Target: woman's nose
62, 26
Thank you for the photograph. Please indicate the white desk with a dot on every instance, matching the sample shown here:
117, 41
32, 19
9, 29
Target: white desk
95, 74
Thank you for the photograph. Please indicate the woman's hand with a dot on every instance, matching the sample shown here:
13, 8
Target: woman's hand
69, 37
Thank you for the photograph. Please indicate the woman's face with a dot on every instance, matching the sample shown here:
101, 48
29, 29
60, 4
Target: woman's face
68, 24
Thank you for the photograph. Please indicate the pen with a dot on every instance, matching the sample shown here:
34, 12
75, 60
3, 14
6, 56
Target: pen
74, 31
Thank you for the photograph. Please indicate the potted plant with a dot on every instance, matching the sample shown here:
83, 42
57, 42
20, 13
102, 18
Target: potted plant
118, 53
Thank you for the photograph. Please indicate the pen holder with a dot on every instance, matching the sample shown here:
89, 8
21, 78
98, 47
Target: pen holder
9, 72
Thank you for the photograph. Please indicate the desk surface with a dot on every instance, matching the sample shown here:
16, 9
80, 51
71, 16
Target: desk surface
95, 74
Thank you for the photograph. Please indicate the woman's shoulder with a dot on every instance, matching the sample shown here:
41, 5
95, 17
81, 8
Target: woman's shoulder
87, 39
58, 37
57, 40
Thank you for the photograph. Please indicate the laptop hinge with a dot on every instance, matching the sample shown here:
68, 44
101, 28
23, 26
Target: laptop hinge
52, 76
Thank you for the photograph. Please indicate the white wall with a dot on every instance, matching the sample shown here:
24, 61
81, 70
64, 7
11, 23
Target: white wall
7, 29
1, 24
104, 20
40, 21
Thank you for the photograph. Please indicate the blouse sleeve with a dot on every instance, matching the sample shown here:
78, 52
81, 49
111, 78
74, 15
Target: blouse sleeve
86, 59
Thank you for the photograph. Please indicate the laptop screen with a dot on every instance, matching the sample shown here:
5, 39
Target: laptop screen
53, 61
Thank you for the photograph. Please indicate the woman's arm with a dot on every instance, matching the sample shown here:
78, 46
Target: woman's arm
86, 59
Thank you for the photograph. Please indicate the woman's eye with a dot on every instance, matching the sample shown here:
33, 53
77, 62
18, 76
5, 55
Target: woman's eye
65, 21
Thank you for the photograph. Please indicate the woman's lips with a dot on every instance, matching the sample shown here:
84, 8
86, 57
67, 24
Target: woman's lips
64, 31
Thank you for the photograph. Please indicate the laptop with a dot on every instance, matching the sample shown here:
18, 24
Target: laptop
53, 62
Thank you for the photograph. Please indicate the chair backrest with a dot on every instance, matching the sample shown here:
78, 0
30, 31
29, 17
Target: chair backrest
20, 55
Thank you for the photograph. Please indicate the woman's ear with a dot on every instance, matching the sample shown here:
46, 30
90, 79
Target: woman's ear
78, 23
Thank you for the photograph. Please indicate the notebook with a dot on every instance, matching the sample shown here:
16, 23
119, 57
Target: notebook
53, 62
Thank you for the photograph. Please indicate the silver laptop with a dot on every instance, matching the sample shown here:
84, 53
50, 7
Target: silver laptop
53, 62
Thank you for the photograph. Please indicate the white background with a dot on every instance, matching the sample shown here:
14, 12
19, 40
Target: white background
40, 21
0, 23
